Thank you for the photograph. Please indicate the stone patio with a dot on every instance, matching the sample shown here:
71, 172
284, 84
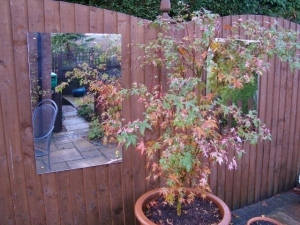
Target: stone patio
71, 149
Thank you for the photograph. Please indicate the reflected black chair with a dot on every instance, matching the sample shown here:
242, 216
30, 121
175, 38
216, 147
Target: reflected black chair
43, 120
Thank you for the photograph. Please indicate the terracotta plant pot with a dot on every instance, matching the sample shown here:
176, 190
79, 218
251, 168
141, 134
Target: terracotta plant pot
260, 218
150, 195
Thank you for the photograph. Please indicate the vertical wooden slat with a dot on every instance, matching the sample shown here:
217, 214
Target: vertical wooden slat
50, 199
115, 185
64, 198
245, 157
52, 24
36, 22
261, 114
274, 83
94, 20
82, 18
102, 177
151, 80
52, 16
296, 155
67, 21
6, 204
268, 120
228, 174
286, 151
277, 123
237, 179
221, 169
90, 191
103, 193
76, 176
117, 211
137, 75
65, 206
89, 174
249, 194
78, 197
124, 28
280, 123
14, 43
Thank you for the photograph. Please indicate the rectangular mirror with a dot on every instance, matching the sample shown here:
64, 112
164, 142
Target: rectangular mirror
67, 116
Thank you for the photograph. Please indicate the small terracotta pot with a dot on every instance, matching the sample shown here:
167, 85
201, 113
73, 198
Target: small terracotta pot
150, 195
260, 218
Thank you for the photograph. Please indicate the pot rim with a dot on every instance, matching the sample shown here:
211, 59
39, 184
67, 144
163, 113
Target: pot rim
262, 218
148, 196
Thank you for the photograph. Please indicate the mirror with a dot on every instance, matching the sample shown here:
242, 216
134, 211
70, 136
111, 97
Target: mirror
61, 68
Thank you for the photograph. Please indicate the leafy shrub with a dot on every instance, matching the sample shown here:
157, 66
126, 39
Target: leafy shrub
96, 130
86, 111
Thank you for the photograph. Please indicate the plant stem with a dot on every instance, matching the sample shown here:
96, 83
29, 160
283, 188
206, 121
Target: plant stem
178, 208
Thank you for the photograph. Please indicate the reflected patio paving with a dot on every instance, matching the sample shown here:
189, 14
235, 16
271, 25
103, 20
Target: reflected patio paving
71, 149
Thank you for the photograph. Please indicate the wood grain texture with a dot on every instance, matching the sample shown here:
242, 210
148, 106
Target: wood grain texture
106, 194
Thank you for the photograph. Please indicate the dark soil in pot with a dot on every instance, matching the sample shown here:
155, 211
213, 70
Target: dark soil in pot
199, 212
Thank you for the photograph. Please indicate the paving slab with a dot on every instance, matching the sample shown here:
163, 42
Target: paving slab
83, 163
79, 126
61, 146
60, 166
91, 154
70, 113
65, 155
75, 120
85, 145
70, 149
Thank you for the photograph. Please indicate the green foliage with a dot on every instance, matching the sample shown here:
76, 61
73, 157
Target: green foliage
249, 91
96, 130
67, 42
149, 9
86, 111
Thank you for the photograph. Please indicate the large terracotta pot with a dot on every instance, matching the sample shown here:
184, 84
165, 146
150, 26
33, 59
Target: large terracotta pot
260, 218
150, 195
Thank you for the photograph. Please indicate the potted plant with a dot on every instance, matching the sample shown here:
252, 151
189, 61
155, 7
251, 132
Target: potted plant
186, 109
262, 220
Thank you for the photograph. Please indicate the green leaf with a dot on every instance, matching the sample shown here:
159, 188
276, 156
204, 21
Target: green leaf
143, 125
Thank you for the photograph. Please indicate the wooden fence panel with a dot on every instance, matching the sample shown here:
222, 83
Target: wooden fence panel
106, 194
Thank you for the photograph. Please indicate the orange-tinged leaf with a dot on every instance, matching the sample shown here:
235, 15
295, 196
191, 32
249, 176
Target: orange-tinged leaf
200, 132
210, 123
237, 83
220, 77
182, 50
141, 147
227, 27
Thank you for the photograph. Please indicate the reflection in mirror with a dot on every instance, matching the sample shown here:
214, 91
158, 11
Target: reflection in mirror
245, 96
77, 72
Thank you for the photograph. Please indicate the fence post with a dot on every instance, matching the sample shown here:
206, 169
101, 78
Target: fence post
165, 8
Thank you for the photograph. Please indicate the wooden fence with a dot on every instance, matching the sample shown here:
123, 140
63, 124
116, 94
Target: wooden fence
106, 194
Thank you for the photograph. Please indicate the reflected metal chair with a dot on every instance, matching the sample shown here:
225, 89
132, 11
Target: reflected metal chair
43, 120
